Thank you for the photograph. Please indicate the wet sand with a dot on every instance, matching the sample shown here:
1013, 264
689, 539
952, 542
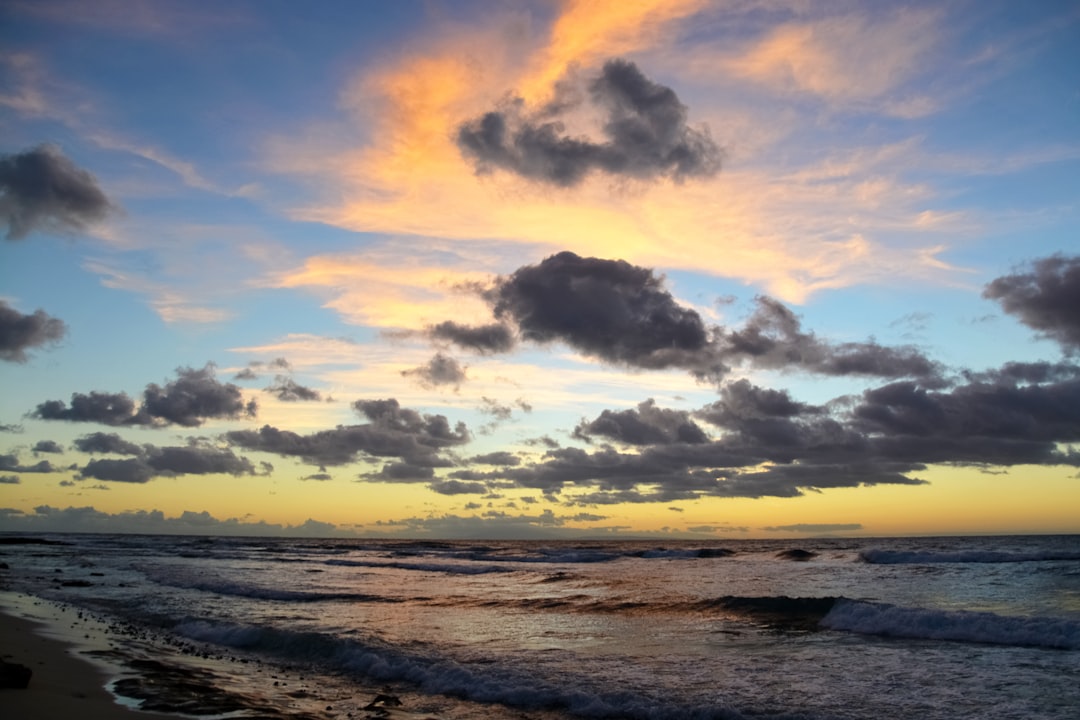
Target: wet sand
63, 684
70, 655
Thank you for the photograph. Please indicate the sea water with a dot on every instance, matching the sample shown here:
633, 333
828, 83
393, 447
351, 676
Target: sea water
929, 628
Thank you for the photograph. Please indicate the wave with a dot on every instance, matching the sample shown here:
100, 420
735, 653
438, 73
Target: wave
458, 569
434, 675
899, 557
965, 626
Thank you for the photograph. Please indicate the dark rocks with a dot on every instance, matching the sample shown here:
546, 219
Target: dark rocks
14, 676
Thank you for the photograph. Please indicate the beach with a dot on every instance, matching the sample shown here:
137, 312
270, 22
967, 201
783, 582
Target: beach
63, 685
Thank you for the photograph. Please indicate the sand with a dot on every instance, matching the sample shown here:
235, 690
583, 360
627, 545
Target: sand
63, 685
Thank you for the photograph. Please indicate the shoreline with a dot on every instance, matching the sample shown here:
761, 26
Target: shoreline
76, 662
64, 683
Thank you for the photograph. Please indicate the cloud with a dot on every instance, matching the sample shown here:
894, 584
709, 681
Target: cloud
1046, 298
105, 408
9, 480
607, 309
772, 338
47, 446
10, 463
19, 332
645, 135
646, 425
483, 339
440, 370
41, 189
99, 442
851, 59
154, 462
194, 397
393, 432
770, 445
499, 457
45, 518
288, 390
623, 314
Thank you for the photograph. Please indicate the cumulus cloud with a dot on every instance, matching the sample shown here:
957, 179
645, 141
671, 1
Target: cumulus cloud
152, 461
394, 431
645, 134
1046, 298
41, 189
769, 444
19, 332
288, 390
773, 338
45, 518
609, 309
194, 397
11, 463
47, 446
440, 370
483, 339
9, 480
100, 442
645, 425
622, 314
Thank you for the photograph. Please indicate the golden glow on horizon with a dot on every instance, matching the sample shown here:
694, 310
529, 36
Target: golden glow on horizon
957, 501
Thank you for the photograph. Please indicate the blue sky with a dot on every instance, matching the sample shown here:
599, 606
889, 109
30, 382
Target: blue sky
784, 225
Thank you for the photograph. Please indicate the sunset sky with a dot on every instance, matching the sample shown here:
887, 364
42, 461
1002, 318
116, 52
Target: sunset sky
662, 268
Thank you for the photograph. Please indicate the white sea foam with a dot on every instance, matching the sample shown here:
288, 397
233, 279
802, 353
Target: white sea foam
981, 627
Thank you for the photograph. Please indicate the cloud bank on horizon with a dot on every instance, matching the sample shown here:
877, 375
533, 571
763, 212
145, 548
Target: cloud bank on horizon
543, 271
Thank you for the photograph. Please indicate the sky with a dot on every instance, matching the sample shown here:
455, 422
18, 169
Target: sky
433, 269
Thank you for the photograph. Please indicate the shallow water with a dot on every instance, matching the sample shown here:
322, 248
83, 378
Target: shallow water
935, 628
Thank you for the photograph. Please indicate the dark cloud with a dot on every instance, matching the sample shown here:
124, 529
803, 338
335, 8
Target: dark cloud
646, 425
1046, 298
154, 462
9, 480
607, 309
45, 518
482, 339
19, 333
47, 446
622, 314
99, 407
10, 463
773, 338
99, 442
11, 428
41, 189
246, 374
393, 432
195, 396
440, 370
321, 477
770, 445
129, 470
500, 457
288, 390
402, 472
645, 130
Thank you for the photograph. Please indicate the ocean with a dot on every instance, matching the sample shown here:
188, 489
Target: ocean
926, 628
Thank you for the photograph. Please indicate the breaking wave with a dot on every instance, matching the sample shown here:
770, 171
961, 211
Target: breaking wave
439, 676
963, 626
